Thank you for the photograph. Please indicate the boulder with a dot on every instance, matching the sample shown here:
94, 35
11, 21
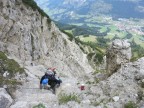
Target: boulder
5, 99
122, 87
20, 104
116, 98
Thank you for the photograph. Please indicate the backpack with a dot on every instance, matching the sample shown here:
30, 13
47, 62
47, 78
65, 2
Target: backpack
45, 81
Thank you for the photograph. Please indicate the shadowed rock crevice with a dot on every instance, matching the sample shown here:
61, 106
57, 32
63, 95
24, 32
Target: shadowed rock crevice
117, 55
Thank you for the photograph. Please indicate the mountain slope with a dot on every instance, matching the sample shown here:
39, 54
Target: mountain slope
65, 10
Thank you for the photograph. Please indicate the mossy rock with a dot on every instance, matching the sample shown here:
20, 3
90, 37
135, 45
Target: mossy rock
9, 65
5, 81
3, 56
12, 67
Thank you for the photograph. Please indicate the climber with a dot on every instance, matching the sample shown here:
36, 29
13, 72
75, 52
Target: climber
54, 81
44, 81
50, 79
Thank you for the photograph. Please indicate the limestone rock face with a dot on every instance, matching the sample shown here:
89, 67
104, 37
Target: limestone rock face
20, 104
121, 87
5, 99
28, 37
118, 53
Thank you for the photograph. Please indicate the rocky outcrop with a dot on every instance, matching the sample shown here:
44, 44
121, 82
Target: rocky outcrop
122, 87
5, 99
29, 37
117, 54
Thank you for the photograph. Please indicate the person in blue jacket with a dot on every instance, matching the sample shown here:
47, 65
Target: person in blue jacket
50, 79
44, 81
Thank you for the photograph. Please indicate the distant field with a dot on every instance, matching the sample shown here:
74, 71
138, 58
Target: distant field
103, 29
113, 32
138, 41
77, 24
88, 39
69, 31
113, 26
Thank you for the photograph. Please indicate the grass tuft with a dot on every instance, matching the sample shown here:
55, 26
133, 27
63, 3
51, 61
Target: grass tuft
64, 98
130, 104
39, 106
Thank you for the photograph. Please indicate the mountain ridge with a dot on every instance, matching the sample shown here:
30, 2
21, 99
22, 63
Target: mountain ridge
113, 8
